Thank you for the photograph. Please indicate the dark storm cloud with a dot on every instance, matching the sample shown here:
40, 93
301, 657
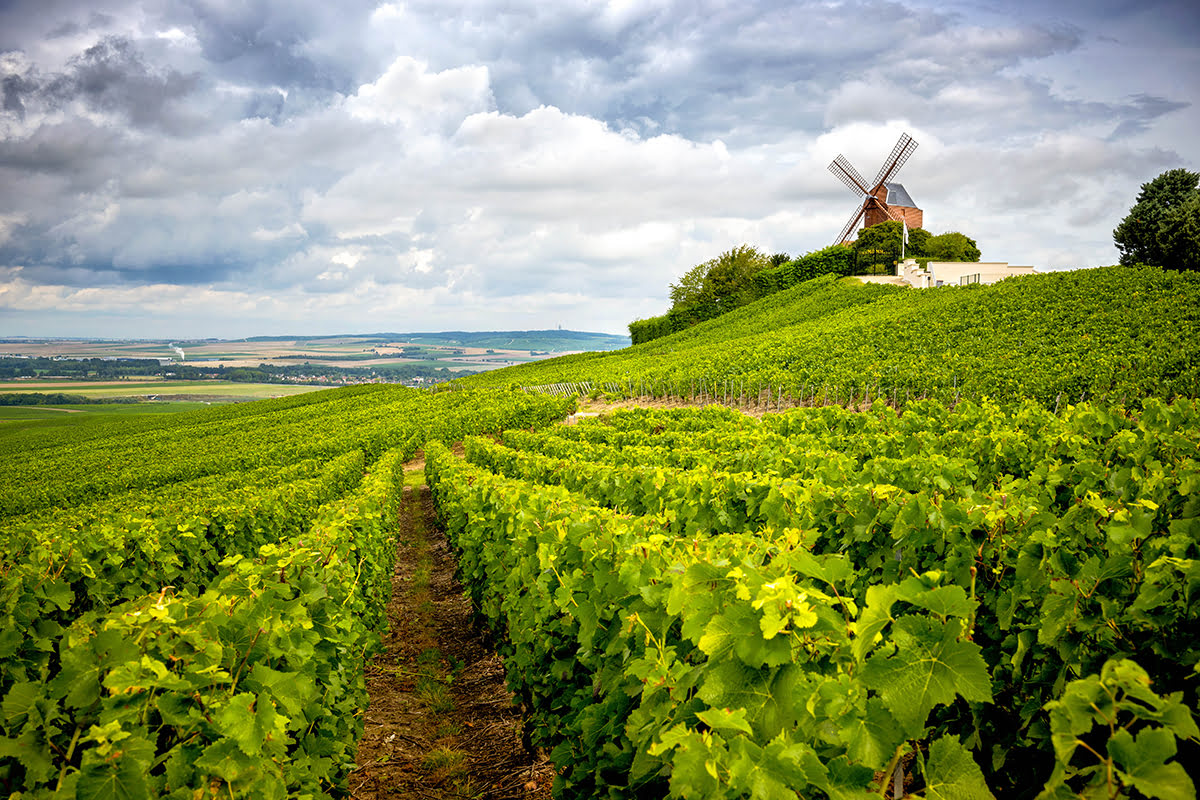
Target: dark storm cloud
78, 151
741, 71
29, 21
14, 86
112, 76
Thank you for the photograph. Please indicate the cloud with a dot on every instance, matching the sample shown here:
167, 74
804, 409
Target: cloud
339, 164
407, 93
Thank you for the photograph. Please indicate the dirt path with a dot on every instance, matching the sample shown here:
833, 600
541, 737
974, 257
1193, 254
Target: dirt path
440, 722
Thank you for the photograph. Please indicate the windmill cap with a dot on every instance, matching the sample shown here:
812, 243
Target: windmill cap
898, 196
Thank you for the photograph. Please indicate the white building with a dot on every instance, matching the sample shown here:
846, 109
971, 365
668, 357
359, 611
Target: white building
948, 273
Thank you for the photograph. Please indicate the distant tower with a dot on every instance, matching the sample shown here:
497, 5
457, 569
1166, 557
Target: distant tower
882, 199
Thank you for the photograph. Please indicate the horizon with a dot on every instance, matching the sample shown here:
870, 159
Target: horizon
373, 334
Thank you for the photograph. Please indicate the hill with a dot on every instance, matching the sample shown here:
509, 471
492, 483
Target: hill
970, 599
1113, 332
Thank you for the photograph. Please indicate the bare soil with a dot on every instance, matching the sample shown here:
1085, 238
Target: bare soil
441, 722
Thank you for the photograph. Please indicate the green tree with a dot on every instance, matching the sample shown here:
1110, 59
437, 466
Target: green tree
690, 288
918, 243
952, 246
880, 244
1179, 234
1163, 227
720, 281
732, 272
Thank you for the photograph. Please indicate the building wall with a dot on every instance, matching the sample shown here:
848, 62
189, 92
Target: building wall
913, 217
953, 272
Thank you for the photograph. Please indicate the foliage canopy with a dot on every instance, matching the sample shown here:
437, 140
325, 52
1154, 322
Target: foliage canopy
1163, 227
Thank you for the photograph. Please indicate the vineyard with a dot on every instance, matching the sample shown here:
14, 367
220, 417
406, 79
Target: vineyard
962, 561
189, 602
1117, 334
693, 603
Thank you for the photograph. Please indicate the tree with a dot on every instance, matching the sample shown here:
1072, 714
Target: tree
731, 273
880, 244
690, 288
1179, 235
918, 243
720, 281
952, 246
1163, 227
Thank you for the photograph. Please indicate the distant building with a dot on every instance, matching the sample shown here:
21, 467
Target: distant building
948, 273
895, 203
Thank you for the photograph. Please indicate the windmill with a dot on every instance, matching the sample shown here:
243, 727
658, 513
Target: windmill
881, 199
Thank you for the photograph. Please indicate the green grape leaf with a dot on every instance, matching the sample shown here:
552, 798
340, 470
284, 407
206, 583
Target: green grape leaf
725, 719
753, 776
738, 629
249, 720
928, 668
951, 773
1141, 763
871, 738
874, 618
122, 779
226, 760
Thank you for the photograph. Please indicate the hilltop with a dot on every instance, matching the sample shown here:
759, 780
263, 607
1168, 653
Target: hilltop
1117, 332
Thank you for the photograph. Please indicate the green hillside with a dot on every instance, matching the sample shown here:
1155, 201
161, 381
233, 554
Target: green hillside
969, 597
1112, 332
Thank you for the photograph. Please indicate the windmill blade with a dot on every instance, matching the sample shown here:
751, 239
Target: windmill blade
848, 175
892, 215
862, 209
900, 153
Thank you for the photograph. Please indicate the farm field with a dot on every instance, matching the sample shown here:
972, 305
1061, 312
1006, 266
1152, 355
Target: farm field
214, 390
799, 605
1120, 333
142, 553
458, 351
976, 588
74, 413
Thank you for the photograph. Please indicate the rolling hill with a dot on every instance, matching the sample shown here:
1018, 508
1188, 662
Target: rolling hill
1116, 332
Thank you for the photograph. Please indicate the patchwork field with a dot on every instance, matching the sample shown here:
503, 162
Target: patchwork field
458, 351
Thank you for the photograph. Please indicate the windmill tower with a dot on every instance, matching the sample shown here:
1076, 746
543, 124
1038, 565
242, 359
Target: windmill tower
881, 199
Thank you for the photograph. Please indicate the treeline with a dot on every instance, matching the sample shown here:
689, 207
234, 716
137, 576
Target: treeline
53, 399
96, 368
744, 274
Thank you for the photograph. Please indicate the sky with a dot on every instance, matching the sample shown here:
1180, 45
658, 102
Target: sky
227, 168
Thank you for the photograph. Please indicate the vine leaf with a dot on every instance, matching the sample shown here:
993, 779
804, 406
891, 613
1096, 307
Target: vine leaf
928, 668
1142, 763
952, 774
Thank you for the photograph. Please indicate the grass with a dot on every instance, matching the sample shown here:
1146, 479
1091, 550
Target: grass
444, 757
